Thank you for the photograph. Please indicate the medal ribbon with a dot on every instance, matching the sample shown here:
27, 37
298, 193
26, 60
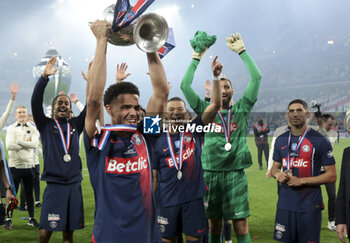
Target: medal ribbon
300, 141
178, 165
106, 132
65, 144
226, 126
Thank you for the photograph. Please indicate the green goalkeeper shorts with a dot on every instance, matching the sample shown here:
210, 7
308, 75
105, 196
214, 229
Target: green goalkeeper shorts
227, 196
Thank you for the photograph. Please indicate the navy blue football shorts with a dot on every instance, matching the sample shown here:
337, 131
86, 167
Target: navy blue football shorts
297, 226
62, 207
188, 218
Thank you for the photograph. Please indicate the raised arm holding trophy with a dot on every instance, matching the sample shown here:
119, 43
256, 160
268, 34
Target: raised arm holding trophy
118, 158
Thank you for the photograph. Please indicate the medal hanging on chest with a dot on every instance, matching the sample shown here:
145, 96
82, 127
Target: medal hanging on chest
226, 125
65, 141
177, 163
294, 148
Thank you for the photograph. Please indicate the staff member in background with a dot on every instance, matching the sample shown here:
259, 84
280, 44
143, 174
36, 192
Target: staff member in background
325, 125
36, 169
21, 140
261, 130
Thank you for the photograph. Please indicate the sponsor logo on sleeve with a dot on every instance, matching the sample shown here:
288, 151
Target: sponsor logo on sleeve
330, 154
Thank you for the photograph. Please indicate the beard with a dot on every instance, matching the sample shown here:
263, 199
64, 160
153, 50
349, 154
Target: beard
226, 102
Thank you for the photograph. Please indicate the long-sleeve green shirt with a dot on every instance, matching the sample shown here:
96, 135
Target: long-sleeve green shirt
214, 155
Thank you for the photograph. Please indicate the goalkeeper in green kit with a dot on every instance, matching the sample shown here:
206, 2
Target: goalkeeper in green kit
225, 154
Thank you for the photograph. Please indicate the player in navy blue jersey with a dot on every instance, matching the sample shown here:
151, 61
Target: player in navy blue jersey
177, 168
118, 159
301, 152
62, 208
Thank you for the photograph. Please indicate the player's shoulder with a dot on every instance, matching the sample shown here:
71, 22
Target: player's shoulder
12, 125
282, 140
318, 140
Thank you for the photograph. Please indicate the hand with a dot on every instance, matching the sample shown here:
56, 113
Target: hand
101, 29
85, 76
120, 74
268, 174
14, 90
9, 196
235, 43
73, 97
207, 86
282, 176
295, 181
341, 231
200, 43
49, 68
198, 55
216, 67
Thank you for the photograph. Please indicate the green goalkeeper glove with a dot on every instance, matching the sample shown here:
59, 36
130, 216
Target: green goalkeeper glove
200, 43
235, 43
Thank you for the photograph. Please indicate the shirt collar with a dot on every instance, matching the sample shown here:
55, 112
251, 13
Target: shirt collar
19, 124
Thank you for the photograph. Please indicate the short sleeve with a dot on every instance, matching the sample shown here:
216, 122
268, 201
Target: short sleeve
326, 153
277, 151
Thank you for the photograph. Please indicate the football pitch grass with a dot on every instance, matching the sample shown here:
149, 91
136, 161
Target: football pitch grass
262, 193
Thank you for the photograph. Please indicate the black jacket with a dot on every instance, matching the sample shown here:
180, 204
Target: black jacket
342, 206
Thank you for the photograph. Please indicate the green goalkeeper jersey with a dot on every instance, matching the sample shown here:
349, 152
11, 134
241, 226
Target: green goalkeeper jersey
214, 155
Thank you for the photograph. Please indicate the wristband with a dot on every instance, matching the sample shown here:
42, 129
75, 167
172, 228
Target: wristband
8, 188
219, 77
241, 52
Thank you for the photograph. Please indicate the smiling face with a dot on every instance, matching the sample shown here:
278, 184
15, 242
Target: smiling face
297, 115
124, 109
61, 107
226, 92
21, 115
176, 110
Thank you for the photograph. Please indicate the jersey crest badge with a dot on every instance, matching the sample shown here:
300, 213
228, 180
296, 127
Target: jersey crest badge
306, 148
136, 138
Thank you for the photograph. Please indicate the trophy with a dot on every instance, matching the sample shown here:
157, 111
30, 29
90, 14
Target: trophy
149, 32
